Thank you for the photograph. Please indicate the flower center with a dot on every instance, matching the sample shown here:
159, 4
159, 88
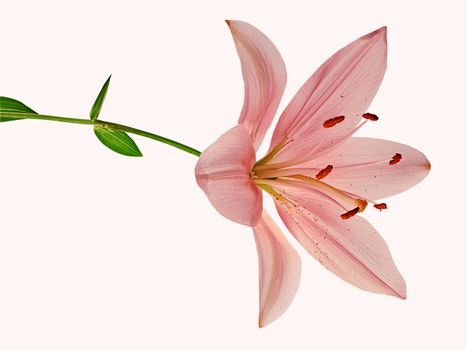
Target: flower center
272, 176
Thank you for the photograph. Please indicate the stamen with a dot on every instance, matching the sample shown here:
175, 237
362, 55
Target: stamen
370, 116
333, 121
329, 190
380, 206
350, 213
317, 152
324, 172
395, 159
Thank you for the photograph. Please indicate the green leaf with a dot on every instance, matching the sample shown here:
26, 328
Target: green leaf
96, 107
9, 105
117, 141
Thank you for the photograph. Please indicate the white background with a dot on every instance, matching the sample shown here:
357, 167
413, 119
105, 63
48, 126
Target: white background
100, 251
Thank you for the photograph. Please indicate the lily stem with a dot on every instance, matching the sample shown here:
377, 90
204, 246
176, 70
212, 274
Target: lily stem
104, 124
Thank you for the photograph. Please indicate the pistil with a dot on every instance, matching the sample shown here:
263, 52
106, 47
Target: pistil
380, 206
328, 190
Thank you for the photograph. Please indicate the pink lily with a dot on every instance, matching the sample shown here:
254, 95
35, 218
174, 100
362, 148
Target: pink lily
318, 175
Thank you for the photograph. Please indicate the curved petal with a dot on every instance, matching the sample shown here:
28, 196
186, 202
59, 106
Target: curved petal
351, 249
343, 86
361, 166
279, 270
264, 77
222, 172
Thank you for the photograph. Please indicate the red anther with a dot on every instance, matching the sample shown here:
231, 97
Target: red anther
370, 116
395, 159
324, 172
380, 206
350, 213
333, 121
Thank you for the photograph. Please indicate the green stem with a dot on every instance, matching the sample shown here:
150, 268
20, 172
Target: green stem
104, 124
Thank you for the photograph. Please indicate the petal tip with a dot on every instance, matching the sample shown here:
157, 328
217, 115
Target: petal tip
381, 31
427, 165
260, 323
228, 21
401, 295
400, 291
264, 321
384, 31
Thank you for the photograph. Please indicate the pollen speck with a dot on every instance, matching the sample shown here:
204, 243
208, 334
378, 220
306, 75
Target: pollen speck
396, 158
333, 121
324, 172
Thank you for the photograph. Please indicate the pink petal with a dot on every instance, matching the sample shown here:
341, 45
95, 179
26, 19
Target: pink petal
361, 166
352, 249
264, 77
279, 270
343, 86
222, 172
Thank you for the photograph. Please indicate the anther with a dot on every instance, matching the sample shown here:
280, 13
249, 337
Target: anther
396, 158
324, 172
350, 213
370, 116
333, 121
380, 206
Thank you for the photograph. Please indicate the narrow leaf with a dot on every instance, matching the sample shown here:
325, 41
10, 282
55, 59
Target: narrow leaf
96, 107
9, 105
118, 141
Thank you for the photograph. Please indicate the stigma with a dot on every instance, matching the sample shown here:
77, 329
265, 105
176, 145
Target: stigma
380, 206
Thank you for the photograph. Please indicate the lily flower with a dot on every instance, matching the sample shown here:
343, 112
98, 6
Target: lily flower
319, 176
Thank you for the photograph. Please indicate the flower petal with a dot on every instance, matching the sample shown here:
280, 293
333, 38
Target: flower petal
361, 166
279, 270
352, 249
343, 86
264, 77
222, 172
